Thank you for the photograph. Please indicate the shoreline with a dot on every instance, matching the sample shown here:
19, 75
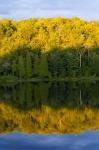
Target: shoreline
36, 80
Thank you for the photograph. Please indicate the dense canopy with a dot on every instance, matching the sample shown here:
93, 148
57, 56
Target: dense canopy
49, 48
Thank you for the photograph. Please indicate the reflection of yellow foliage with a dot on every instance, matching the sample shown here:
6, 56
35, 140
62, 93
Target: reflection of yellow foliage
48, 120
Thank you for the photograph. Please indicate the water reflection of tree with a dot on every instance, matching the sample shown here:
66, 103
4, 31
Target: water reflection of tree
49, 107
55, 95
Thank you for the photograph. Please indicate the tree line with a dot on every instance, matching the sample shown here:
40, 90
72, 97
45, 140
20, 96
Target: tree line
49, 48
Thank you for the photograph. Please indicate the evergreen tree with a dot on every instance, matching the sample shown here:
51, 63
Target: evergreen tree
21, 67
43, 66
14, 68
36, 66
29, 70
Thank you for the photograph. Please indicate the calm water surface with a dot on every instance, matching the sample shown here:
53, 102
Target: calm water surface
49, 116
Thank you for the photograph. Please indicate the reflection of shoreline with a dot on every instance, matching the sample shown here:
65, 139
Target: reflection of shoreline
57, 95
57, 107
11, 80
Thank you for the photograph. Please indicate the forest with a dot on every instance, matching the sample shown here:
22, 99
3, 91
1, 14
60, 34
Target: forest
49, 49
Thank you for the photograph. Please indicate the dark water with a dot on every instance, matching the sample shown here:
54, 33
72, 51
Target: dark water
18, 141
62, 114
55, 95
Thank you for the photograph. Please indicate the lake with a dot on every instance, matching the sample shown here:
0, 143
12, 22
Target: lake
54, 115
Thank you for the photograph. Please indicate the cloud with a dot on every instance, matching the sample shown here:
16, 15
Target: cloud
21, 9
87, 140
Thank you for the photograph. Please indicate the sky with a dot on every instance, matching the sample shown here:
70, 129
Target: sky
23, 9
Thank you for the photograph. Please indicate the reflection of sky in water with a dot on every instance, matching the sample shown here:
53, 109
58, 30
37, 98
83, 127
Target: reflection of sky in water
18, 141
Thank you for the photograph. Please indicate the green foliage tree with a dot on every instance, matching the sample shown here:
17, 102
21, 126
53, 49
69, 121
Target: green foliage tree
36, 64
43, 66
14, 68
21, 68
28, 66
